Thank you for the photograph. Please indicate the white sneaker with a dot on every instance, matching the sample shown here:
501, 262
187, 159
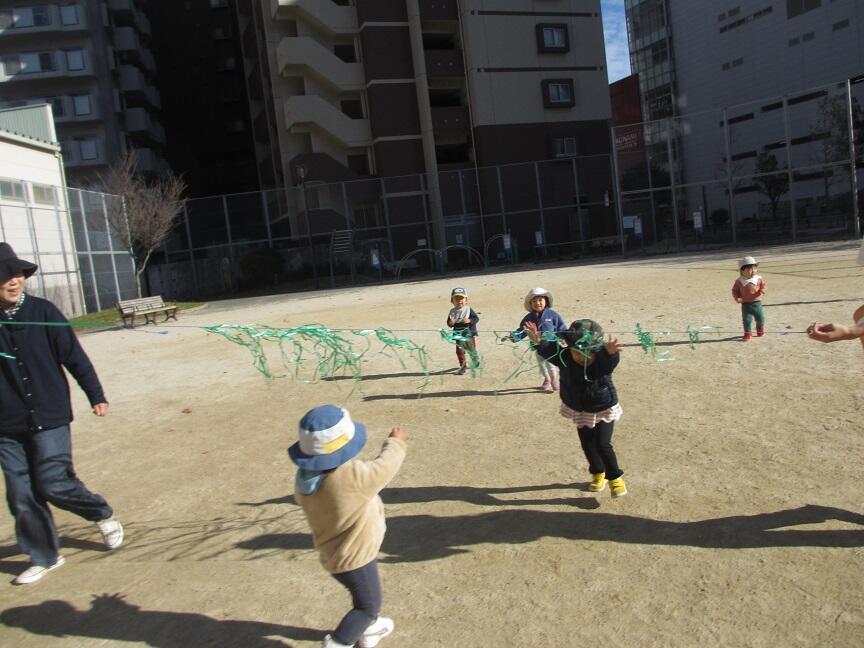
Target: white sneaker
330, 642
35, 572
112, 532
381, 627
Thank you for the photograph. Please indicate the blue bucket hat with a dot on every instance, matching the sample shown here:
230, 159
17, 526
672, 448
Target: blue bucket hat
327, 439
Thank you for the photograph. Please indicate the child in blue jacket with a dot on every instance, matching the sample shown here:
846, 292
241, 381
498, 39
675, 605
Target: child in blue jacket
538, 303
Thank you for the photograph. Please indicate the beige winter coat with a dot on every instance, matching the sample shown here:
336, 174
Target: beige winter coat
346, 514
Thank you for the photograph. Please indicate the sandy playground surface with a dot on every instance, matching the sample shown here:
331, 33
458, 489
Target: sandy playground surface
744, 525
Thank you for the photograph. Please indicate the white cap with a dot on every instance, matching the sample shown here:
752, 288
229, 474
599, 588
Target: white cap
747, 260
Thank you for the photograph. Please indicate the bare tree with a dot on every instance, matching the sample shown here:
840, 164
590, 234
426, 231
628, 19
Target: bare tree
143, 211
771, 180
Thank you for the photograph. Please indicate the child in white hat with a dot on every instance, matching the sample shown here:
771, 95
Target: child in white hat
538, 303
747, 291
339, 495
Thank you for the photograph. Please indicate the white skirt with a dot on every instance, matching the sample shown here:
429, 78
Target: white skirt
590, 419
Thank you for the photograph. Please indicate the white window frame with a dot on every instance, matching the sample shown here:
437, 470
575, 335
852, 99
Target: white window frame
77, 100
559, 93
11, 190
70, 14
71, 61
558, 37
84, 149
41, 191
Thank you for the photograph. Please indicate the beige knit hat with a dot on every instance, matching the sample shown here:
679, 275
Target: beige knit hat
537, 292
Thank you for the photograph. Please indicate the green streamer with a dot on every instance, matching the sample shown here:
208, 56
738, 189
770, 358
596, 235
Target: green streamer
649, 345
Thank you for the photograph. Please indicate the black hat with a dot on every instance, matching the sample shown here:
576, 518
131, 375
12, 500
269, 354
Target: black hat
10, 264
585, 335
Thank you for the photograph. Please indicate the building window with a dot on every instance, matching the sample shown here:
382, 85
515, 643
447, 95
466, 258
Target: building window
794, 41
46, 62
797, 7
808, 37
74, 60
840, 25
738, 62
558, 93
11, 65
222, 32
552, 38
32, 17
43, 193
87, 148
11, 190
81, 104
69, 15
7, 18
563, 146
215, 4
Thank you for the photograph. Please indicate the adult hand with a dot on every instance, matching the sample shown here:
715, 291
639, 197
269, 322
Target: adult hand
398, 433
614, 345
100, 409
833, 332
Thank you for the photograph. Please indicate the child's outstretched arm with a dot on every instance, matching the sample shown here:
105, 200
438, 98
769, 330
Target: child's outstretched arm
372, 476
614, 345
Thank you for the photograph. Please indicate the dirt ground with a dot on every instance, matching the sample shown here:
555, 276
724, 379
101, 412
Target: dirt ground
744, 524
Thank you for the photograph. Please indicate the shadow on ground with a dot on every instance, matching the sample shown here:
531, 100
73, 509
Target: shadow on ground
415, 538
111, 618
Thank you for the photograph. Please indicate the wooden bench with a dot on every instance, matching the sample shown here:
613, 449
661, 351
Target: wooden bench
149, 307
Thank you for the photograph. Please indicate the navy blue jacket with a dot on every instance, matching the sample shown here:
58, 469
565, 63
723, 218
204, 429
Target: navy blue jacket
34, 392
472, 325
592, 394
546, 321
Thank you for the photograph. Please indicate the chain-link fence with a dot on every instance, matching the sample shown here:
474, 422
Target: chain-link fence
372, 229
34, 220
775, 170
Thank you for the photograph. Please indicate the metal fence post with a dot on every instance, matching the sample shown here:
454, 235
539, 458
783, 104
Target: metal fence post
672, 183
111, 247
619, 204
191, 248
730, 187
789, 174
578, 202
89, 249
856, 223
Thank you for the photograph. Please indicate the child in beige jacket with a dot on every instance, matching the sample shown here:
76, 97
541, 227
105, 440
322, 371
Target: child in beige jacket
339, 495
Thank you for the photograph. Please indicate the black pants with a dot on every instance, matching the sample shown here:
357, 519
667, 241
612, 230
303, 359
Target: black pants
365, 587
597, 446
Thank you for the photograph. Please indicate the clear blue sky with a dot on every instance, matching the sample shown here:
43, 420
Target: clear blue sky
615, 34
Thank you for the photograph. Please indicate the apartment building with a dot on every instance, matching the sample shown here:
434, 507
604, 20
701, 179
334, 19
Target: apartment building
197, 45
396, 87
91, 61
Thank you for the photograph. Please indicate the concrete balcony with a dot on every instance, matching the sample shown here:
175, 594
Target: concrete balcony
303, 55
450, 123
126, 39
310, 113
137, 88
439, 10
441, 64
138, 120
324, 14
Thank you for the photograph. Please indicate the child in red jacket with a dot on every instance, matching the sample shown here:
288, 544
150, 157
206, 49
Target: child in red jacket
747, 291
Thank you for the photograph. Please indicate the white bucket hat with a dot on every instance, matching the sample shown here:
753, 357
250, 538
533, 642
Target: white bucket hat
327, 439
747, 260
537, 292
